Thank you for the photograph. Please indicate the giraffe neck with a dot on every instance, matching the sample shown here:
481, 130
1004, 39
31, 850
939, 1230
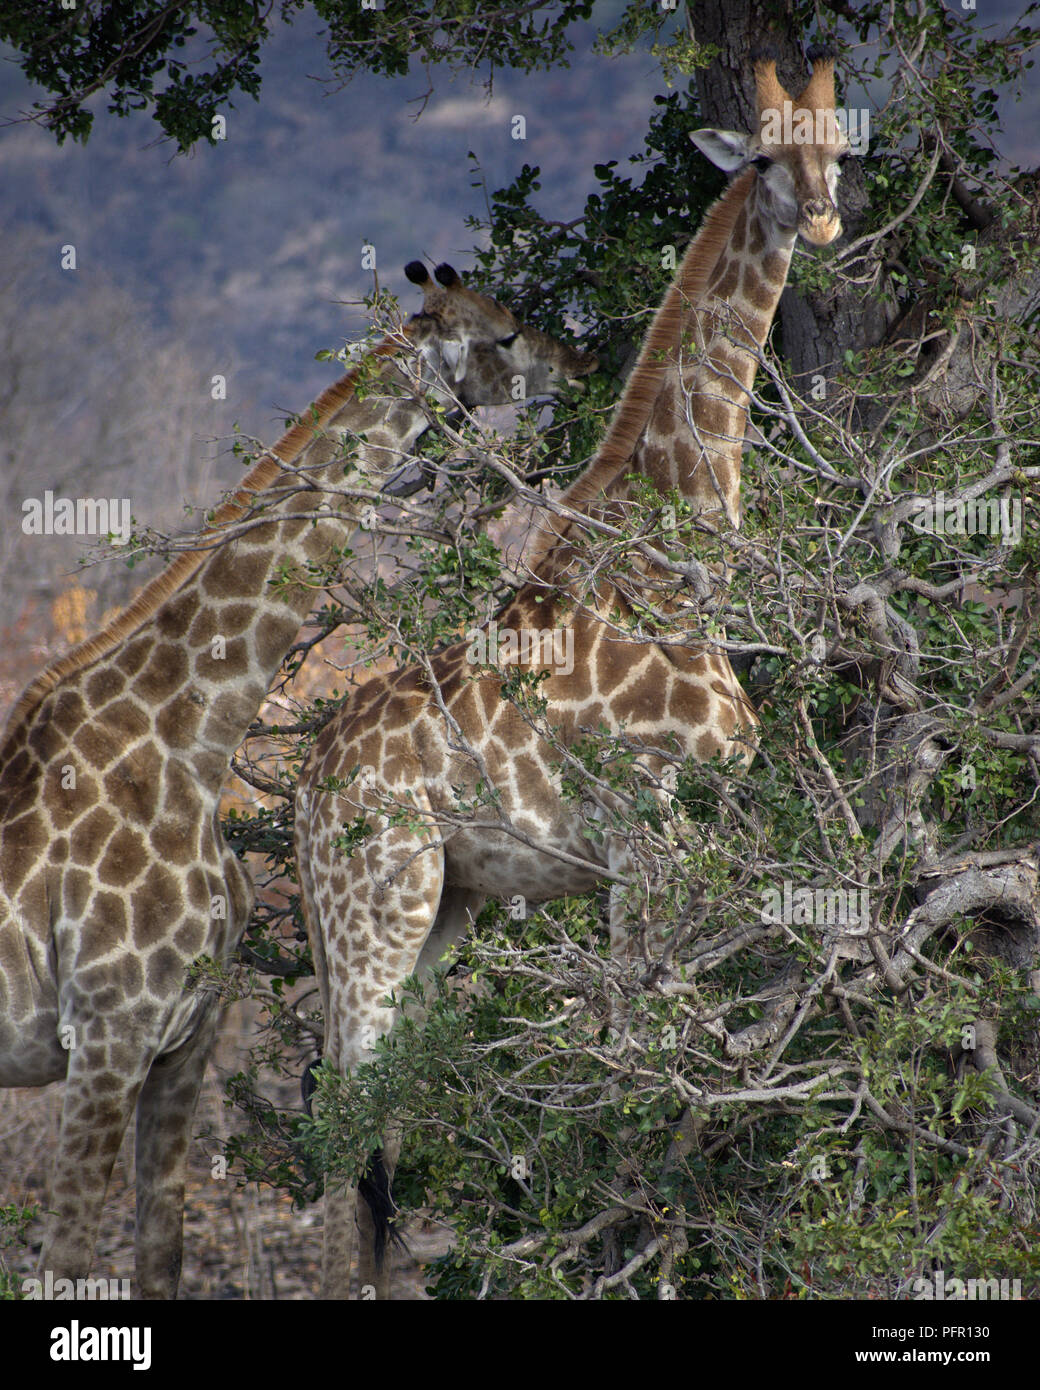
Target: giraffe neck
680, 423
195, 668
695, 432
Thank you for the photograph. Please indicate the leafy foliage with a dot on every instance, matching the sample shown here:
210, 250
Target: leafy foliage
186, 62
15, 1220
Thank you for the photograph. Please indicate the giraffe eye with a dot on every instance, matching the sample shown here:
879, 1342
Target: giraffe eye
508, 342
762, 162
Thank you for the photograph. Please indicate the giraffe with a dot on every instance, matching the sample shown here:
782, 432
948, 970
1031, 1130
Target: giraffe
114, 874
428, 735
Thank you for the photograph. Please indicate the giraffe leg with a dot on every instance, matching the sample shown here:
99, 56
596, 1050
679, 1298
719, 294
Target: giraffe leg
623, 951
623, 938
375, 912
341, 1205
457, 912
164, 1124
100, 1095
627, 905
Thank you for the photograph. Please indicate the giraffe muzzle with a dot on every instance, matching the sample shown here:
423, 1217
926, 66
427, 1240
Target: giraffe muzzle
819, 222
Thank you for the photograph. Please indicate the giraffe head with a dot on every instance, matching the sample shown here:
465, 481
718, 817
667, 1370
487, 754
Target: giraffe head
797, 149
477, 346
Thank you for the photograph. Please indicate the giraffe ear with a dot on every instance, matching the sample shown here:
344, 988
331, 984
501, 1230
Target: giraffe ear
456, 354
727, 149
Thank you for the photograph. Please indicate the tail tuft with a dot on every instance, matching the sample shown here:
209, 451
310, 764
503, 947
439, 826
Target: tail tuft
308, 1085
374, 1187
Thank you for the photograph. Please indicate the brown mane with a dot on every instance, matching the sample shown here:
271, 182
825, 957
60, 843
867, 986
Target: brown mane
140, 608
644, 385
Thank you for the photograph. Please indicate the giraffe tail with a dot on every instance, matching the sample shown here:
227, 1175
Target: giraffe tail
308, 1085
374, 1187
